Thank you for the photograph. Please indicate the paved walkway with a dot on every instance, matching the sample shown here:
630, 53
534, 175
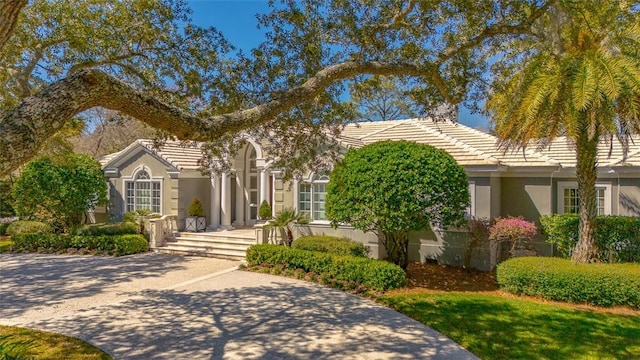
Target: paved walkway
153, 306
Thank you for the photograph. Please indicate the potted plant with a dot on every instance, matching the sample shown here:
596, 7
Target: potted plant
285, 220
264, 211
196, 220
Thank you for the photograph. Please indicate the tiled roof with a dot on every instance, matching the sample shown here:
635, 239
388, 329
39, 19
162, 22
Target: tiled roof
181, 156
470, 147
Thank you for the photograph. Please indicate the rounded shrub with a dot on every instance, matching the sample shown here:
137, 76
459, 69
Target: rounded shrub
332, 245
28, 227
123, 228
196, 208
3, 228
561, 280
374, 274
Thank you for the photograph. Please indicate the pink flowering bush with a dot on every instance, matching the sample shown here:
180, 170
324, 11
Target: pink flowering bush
515, 230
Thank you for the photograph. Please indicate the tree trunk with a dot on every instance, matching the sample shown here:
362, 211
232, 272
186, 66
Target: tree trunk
397, 248
9, 13
586, 250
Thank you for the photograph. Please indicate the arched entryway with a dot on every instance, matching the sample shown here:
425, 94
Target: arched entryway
237, 194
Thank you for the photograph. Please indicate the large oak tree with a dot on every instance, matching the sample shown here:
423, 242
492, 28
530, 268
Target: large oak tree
290, 85
287, 90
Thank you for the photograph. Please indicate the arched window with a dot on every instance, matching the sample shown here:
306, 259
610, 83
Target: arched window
143, 193
312, 195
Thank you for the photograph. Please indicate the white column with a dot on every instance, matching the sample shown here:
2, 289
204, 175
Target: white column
225, 199
215, 202
240, 204
264, 186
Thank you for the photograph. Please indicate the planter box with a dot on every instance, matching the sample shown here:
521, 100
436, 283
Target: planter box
195, 223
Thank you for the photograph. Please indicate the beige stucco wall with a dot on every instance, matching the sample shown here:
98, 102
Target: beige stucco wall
156, 168
629, 197
188, 189
529, 197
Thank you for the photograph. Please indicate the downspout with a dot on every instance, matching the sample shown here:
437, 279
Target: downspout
552, 196
612, 171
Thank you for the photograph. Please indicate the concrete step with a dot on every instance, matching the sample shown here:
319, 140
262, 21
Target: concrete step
213, 241
208, 244
231, 255
219, 235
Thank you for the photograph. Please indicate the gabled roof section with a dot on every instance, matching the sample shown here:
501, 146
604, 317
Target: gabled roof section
174, 153
470, 147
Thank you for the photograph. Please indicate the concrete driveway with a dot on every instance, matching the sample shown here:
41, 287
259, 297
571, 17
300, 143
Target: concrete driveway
153, 306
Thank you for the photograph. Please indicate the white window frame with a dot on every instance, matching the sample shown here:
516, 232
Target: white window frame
132, 179
311, 180
562, 185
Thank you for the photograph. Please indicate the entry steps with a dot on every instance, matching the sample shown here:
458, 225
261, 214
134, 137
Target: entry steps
229, 244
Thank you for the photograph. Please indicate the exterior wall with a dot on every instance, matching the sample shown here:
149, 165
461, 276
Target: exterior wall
188, 189
529, 197
628, 198
156, 168
483, 196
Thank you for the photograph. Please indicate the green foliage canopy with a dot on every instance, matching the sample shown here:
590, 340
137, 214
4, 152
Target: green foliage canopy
59, 190
395, 187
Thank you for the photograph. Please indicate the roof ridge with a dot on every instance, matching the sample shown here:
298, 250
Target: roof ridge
397, 122
455, 141
149, 146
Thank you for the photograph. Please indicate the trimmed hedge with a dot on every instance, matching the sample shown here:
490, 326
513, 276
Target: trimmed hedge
617, 237
3, 228
375, 274
561, 280
123, 228
50, 243
332, 245
28, 227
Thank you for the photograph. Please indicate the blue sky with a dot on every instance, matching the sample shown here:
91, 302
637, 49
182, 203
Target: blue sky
236, 20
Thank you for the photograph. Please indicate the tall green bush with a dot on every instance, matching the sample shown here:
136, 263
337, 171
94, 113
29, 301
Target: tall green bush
617, 237
392, 188
59, 190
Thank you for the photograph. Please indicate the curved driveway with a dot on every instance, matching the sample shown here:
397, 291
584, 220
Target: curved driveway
153, 306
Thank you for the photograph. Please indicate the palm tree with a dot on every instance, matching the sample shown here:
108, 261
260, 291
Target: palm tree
579, 78
285, 220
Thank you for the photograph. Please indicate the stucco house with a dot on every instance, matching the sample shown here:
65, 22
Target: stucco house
527, 183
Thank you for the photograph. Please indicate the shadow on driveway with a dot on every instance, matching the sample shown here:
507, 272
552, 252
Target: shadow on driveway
30, 281
271, 318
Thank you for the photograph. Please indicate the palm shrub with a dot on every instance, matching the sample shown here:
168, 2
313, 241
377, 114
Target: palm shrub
285, 220
139, 218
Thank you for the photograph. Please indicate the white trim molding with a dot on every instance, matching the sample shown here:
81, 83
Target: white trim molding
563, 185
152, 179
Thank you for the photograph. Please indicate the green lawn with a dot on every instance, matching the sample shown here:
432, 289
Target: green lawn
5, 245
43, 345
493, 327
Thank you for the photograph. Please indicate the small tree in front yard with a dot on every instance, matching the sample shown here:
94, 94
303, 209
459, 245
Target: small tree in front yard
516, 231
392, 188
59, 190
